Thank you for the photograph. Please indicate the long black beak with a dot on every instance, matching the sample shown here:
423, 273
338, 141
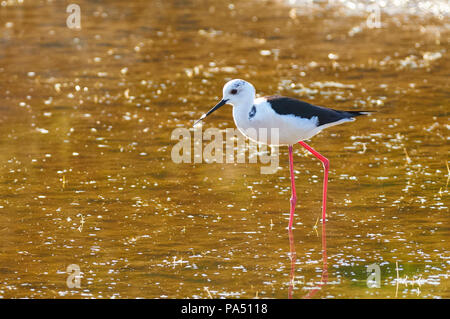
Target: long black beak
223, 102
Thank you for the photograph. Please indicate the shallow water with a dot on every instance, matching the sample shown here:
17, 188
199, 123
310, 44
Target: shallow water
86, 175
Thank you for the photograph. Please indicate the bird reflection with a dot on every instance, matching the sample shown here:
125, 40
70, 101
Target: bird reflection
293, 257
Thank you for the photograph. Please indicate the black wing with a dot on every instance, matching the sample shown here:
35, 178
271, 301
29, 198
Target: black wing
286, 105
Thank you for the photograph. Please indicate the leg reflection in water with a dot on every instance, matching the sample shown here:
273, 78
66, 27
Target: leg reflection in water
293, 257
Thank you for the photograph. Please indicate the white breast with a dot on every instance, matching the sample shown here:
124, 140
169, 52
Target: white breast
267, 126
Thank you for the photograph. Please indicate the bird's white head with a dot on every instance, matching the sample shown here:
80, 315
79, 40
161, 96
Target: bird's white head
236, 92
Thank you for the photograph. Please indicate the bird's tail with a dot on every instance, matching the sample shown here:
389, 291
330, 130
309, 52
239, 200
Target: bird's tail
358, 113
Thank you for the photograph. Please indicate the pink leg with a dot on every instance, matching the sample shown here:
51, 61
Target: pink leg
326, 166
294, 193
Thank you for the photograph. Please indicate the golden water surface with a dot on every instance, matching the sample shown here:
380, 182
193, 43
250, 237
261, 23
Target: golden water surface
87, 178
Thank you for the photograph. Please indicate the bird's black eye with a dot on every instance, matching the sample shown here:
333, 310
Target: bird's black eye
233, 91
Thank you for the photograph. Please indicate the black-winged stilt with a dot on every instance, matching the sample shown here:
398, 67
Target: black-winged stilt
293, 120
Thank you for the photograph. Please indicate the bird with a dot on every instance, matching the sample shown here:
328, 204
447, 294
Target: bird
290, 121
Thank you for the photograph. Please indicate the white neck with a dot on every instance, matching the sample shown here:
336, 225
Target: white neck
241, 112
